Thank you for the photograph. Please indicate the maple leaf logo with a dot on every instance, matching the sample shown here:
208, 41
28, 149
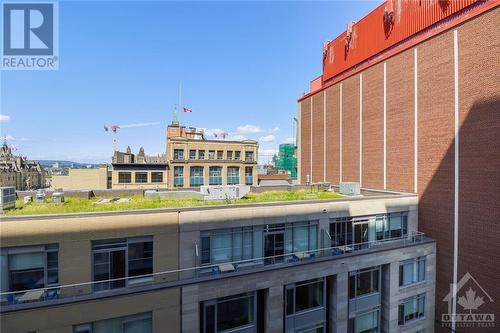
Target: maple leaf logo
470, 301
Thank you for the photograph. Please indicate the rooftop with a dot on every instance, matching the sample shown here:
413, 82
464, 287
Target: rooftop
75, 205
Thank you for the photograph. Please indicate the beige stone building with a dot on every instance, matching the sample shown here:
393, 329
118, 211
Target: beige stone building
83, 179
20, 172
193, 160
138, 171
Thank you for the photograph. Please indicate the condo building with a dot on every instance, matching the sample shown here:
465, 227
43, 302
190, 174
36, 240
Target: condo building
408, 101
195, 161
354, 264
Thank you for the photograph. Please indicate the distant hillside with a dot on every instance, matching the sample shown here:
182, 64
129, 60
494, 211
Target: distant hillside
65, 164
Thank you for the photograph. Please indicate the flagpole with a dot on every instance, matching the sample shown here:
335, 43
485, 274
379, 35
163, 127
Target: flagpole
180, 97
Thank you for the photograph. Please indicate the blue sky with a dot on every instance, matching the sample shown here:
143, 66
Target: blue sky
242, 66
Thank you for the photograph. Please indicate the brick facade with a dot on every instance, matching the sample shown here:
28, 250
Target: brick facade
479, 144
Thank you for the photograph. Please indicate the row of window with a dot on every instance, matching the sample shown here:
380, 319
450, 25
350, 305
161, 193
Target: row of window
140, 177
200, 154
197, 176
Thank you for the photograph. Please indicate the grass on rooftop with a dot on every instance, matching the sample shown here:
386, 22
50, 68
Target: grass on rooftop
79, 205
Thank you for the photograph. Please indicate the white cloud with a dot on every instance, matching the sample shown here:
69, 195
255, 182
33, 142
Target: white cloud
248, 129
4, 118
267, 152
267, 138
274, 130
289, 140
10, 138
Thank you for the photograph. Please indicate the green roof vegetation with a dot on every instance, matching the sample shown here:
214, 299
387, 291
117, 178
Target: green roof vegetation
79, 205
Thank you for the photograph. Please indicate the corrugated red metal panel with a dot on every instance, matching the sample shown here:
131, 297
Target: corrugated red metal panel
387, 25
316, 84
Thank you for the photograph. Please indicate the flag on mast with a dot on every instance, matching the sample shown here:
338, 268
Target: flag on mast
185, 109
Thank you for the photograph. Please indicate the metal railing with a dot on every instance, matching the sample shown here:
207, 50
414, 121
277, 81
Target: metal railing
210, 271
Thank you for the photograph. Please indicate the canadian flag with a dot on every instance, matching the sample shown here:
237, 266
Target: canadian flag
186, 109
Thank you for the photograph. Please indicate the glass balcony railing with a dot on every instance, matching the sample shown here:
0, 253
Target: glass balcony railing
178, 277
248, 180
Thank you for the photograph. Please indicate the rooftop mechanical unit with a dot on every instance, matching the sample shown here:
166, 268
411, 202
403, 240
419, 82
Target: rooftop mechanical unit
349, 188
7, 197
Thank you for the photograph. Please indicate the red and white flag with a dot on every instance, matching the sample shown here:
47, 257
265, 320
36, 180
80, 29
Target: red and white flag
186, 110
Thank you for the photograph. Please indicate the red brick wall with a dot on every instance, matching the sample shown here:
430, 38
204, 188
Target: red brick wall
318, 137
435, 153
305, 139
332, 135
479, 168
373, 127
400, 122
350, 129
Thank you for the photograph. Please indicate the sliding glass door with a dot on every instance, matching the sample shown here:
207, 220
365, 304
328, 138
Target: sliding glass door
274, 247
360, 234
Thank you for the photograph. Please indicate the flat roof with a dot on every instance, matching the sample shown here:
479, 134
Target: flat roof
139, 205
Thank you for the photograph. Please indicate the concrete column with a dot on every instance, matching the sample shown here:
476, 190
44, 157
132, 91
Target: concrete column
391, 295
339, 296
190, 308
274, 314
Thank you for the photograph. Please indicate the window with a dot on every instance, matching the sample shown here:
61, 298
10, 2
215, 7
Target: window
301, 236
192, 154
227, 245
229, 154
29, 267
124, 177
196, 176
201, 154
141, 323
248, 176
233, 175
411, 309
249, 156
367, 322
304, 296
211, 154
220, 154
237, 154
178, 154
390, 226
121, 259
411, 271
229, 313
215, 175
178, 176
364, 282
141, 177
157, 177
341, 231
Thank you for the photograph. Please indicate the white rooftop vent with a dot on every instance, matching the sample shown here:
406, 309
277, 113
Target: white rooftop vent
349, 188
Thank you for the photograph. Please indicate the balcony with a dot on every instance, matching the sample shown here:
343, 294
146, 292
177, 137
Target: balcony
233, 180
248, 180
24, 299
